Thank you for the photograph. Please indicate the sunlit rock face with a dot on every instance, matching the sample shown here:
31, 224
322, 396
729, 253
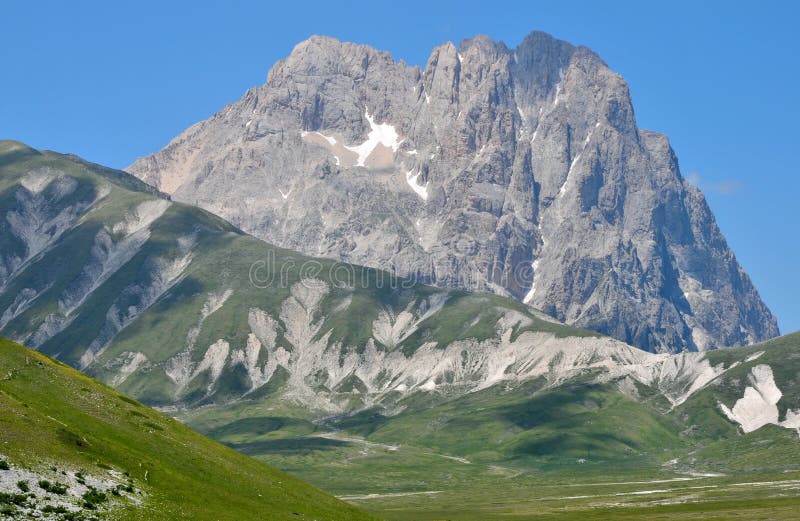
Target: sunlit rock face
519, 171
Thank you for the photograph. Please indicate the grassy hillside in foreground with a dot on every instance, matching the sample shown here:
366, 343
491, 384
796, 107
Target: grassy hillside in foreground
52, 416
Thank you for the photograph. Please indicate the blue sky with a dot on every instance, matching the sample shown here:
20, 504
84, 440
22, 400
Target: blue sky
112, 81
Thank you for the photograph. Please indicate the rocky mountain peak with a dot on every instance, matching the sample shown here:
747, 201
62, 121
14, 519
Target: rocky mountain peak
518, 171
484, 48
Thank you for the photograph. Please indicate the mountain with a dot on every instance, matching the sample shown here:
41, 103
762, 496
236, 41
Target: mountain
71, 445
353, 379
174, 306
519, 171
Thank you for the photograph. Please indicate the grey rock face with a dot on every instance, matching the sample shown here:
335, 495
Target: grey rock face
518, 171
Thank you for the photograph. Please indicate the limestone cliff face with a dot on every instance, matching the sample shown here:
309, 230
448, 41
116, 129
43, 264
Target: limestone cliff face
519, 171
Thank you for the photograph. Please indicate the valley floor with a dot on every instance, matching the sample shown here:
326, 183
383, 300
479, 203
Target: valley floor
581, 453
746, 497
409, 483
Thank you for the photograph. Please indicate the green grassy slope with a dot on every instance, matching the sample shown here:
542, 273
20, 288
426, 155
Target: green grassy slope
518, 451
723, 446
51, 415
457, 443
156, 318
575, 421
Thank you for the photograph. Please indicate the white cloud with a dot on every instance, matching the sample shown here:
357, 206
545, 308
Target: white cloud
721, 187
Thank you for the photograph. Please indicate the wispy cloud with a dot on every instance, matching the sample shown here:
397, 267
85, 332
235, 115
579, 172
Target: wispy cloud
721, 187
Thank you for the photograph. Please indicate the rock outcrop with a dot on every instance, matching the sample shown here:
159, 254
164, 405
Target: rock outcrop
519, 171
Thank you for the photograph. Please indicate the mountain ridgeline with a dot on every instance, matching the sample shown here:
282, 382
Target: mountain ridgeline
515, 170
176, 307
356, 380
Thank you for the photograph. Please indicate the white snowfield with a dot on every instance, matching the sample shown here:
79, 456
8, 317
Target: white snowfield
412, 180
463, 366
534, 265
759, 405
381, 136
382, 142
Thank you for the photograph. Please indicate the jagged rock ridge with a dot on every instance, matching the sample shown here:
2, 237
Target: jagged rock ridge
160, 300
520, 171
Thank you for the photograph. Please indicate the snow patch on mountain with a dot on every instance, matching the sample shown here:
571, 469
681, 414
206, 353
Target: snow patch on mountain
420, 190
380, 134
759, 405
